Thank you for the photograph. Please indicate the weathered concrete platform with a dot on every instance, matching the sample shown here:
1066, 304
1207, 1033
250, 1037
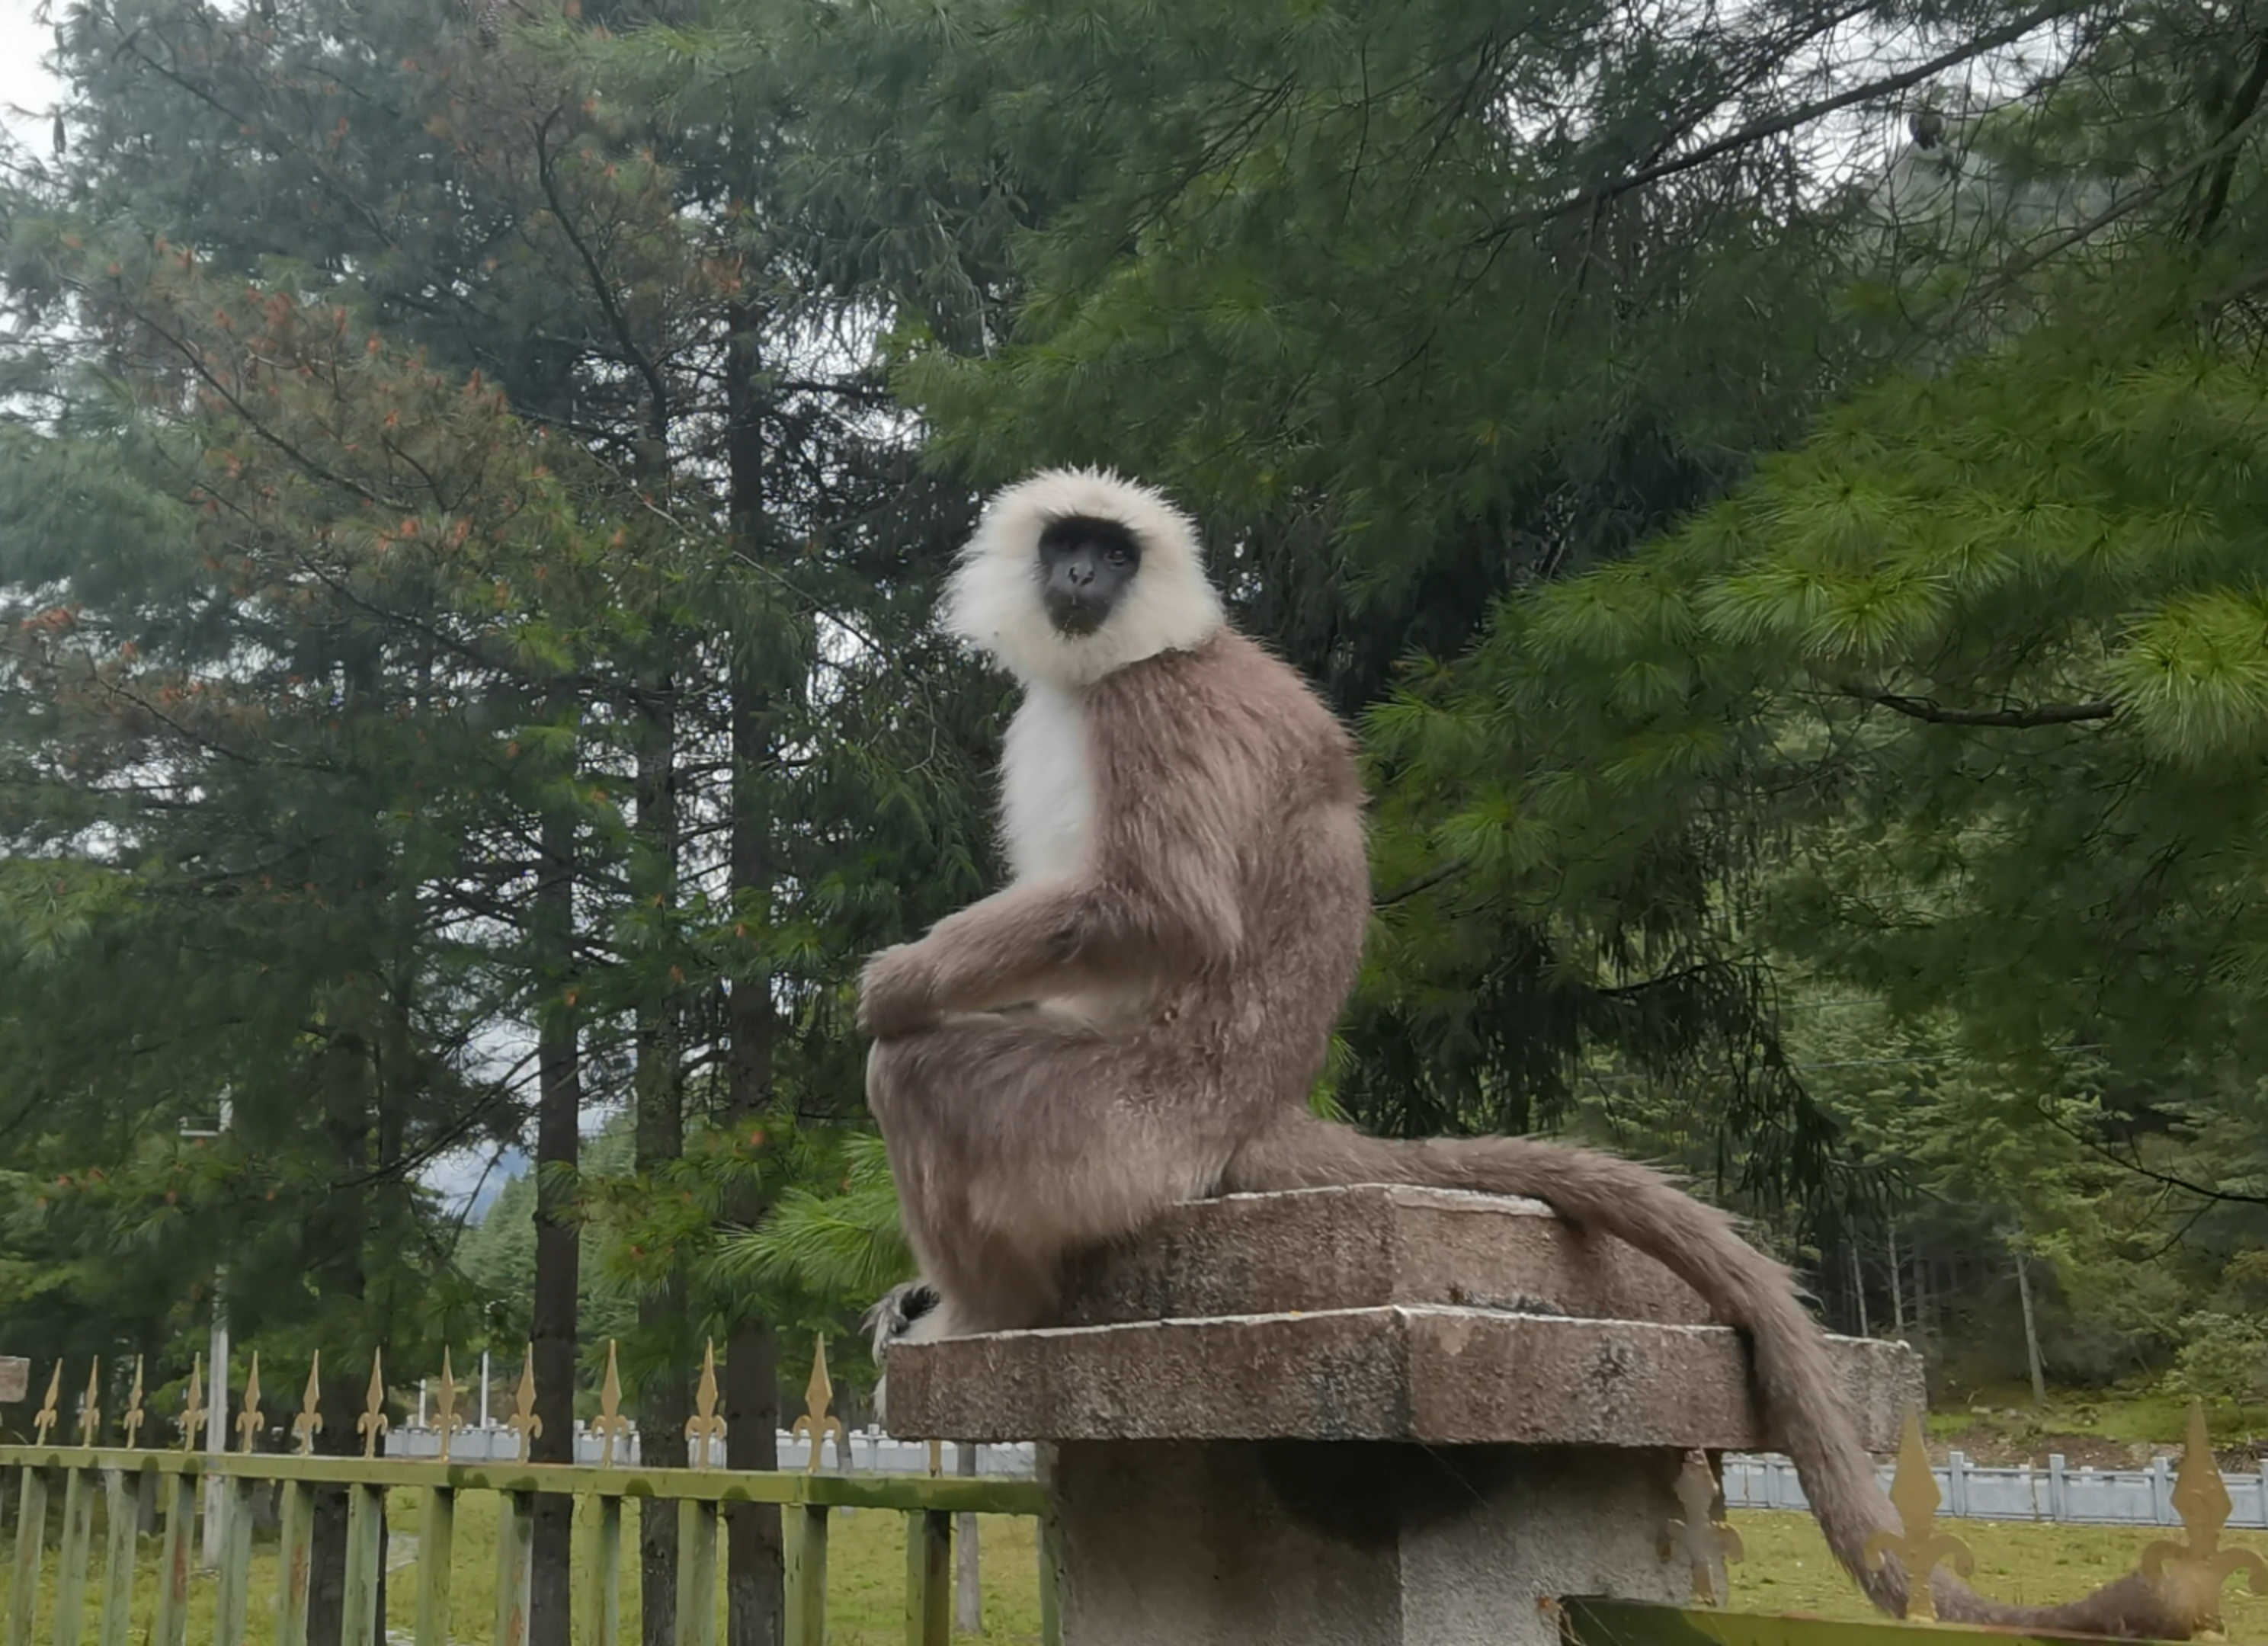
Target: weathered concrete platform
1369, 1245
1368, 1417
1427, 1375
1374, 1313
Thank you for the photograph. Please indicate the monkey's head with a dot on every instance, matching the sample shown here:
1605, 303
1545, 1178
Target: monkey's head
1074, 573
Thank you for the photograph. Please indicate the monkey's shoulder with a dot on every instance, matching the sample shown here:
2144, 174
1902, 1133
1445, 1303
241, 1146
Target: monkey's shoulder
1233, 705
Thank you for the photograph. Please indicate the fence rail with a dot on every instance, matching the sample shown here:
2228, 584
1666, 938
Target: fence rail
2054, 1491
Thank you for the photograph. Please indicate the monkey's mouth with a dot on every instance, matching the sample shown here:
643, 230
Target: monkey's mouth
1074, 617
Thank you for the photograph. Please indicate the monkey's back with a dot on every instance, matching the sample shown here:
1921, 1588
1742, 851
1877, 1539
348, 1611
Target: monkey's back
1225, 776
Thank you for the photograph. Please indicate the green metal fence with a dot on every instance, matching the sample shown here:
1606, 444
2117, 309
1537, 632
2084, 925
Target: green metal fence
805, 1498
2194, 1569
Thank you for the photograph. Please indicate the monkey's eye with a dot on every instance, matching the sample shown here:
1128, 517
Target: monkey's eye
1116, 555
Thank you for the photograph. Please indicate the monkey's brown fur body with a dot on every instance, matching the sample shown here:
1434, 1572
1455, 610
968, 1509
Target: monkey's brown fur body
1141, 1023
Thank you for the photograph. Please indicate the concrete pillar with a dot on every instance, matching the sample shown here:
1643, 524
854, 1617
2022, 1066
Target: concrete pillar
1370, 1415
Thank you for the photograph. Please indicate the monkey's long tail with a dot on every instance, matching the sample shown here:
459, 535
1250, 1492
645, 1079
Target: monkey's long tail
1795, 1377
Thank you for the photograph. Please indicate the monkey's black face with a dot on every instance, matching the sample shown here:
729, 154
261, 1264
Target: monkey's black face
1086, 568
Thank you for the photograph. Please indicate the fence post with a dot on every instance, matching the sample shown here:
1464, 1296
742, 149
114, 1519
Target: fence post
696, 1573
929, 1578
607, 1619
233, 1591
2161, 1492
806, 1574
172, 1627
1956, 1496
359, 1621
71, 1564
436, 1540
295, 1547
967, 1582
30, 1538
2058, 1493
123, 1515
515, 1566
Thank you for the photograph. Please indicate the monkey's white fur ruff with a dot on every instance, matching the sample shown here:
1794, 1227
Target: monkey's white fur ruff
993, 600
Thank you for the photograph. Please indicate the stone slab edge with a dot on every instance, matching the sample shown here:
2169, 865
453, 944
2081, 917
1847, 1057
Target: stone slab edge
1369, 1245
1436, 1375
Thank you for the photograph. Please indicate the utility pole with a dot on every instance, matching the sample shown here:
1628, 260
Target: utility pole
216, 1359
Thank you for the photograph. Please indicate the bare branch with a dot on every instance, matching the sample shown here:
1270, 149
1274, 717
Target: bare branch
1776, 125
2018, 719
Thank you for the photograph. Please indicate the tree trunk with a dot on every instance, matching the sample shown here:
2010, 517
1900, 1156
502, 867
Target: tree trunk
1923, 1324
756, 1569
1859, 1288
664, 1318
558, 1132
2031, 1329
361, 1060
755, 1558
1898, 1289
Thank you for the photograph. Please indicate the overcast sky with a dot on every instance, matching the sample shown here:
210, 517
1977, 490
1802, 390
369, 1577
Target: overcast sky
24, 82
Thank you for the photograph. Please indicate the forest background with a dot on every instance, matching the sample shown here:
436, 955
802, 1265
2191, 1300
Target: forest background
1779, 487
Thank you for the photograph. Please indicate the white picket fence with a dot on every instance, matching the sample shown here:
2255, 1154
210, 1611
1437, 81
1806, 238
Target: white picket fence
870, 1450
1966, 1490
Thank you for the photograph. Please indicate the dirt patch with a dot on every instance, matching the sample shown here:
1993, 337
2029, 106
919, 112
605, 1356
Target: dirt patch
2005, 1442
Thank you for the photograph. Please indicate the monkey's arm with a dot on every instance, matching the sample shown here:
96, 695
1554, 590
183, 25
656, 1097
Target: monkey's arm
1050, 937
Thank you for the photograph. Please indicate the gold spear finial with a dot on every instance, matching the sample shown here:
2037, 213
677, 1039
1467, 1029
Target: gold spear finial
818, 1395
309, 1423
47, 1417
610, 1424
704, 1425
445, 1417
2196, 1567
1920, 1546
248, 1421
135, 1416
90, 1406
524, 1423
194, 1415
1706, 1542
371, 1424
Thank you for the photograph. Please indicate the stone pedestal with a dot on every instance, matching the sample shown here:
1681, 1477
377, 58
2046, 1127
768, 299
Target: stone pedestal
1364, 1416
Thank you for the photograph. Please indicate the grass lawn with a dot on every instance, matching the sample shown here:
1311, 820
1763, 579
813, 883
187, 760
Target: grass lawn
1788, 1569
865, 1573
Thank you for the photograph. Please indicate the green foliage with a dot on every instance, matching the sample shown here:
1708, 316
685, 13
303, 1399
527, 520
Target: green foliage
1761, 579
370, 533
842, 1240
2224, 1357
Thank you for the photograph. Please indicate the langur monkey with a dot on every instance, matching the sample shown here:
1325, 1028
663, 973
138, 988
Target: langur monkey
1137, 1018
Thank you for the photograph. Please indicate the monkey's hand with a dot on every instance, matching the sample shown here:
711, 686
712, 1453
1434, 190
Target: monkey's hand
897, 992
